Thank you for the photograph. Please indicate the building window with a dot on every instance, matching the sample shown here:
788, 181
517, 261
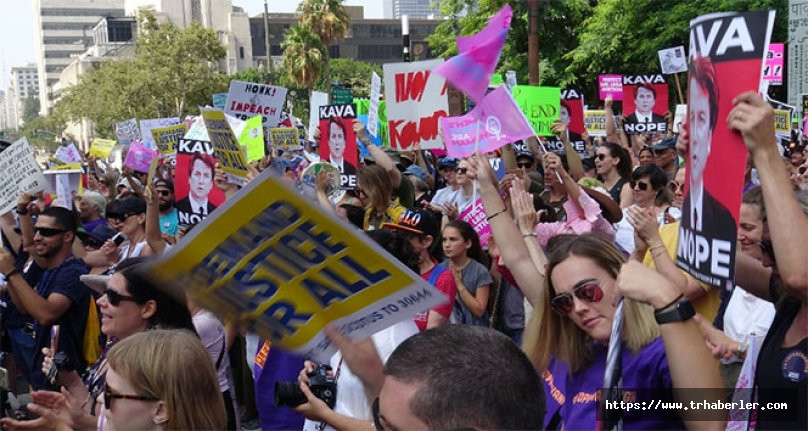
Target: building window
241, 52
196, 11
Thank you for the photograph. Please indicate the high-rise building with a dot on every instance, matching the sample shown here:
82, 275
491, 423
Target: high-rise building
24, 84
419, 9
3, 120
230, 23
62, 31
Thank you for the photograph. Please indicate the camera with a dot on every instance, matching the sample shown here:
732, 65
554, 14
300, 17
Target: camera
322, 385
119, 238
61, 362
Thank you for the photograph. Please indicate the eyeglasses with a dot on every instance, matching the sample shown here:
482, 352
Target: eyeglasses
109, 396
164, 192
563, 303
115, 298
525, 165
376, 420
641, 185
48, 232
601, 157
461, 170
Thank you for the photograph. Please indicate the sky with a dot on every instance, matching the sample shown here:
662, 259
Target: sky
17, 27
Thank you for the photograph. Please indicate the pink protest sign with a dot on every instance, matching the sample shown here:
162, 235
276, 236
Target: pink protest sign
139, 157
610, 85
773, 65
474, 215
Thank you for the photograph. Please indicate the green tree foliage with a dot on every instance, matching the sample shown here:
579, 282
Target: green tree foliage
30, 108
304, 56
350, 73
172, 72
42, 132
326, 18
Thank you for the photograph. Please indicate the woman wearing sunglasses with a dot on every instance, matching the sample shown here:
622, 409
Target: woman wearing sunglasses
649, 192
130, 304
568, 336
613, 165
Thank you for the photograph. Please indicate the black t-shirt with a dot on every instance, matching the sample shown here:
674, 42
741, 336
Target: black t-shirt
31, 273
614, 192
64, 279
782, 373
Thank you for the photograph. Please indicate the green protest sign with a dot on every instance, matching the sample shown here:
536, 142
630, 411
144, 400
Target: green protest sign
252, 138
540, 105
363, 108
496, 80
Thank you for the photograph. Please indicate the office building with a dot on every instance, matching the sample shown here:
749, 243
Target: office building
24, 84
62, 31
415, 9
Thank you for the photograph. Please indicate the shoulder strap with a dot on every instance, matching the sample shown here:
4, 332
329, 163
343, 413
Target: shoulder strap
436, 272
221, 352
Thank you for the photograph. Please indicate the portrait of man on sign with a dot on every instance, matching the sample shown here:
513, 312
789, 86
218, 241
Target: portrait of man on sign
196, 205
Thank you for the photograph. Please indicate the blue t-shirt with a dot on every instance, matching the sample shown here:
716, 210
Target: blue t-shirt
64, 279
12, 317
574, 397
169, 223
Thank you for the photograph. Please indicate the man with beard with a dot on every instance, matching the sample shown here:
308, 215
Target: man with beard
59, 298
169, 220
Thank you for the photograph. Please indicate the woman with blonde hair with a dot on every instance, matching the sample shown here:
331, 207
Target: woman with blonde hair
162, 380
574, 298
375, 191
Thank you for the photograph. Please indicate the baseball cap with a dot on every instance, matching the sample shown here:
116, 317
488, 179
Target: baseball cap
668, 143
448, 162
524, 152
165, 183
129, 205
100, 234
416, 222
417, 171
125, 182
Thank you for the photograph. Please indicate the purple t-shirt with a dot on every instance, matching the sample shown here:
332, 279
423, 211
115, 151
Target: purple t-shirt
646, 378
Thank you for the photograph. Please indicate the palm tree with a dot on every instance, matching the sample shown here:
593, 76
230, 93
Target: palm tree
304, 56
326, 18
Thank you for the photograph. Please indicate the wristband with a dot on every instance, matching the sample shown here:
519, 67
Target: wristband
530, 234
12, 273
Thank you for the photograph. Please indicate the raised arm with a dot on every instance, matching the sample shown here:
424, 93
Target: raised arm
378, 154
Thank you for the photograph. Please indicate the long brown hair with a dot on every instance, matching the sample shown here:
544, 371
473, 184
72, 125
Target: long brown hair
549, 335
174, 367
375, 183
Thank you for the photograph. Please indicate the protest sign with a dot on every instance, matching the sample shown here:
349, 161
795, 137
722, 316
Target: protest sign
610, 85
498, 166
416, 99
67, 153
285, 269
252, 138
721, 67
285, 138
101, 148
139, 157
166, 139
65, 182
338, 141
219, 100
672, 60
247, 99
21, 174
782, 125
373, 114
645, 102
679, 117
146, 126
127, 131
797, 50
773, 65
226, 148
494, 122
571, 113
475, 216
540, 105
194, 193
317, 100
362, 112
595, 122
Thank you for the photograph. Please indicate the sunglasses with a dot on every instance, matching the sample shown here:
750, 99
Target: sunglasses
109, 396
461, 170
525, 165
91, 242
48, 232
674, 186
642, 186
164, 192
115, 298
601, 157
563, 303
120, 218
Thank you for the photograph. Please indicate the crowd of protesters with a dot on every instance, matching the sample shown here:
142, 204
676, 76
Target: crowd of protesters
521, 341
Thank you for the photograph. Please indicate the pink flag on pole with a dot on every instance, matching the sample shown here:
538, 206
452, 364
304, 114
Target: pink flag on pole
471, 70
494, 122
139, 157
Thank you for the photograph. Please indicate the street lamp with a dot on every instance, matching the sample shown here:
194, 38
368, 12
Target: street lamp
405, 34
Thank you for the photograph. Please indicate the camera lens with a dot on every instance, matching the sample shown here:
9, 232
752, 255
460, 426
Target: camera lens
288, 394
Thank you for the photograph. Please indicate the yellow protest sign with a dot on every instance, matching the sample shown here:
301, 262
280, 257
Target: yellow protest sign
167, 138
226, 148
101, 148
271, 259
782, 121
595, 122
285, 138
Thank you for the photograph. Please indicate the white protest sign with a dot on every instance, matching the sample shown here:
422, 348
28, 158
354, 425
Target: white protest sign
416, 99
318, 99
21, 174
673, 60
198, 131
146, 137
68, 153
679, 117
373, 112
248, 99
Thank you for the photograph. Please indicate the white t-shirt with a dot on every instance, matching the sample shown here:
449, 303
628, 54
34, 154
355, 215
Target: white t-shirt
351, 399
746, 314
